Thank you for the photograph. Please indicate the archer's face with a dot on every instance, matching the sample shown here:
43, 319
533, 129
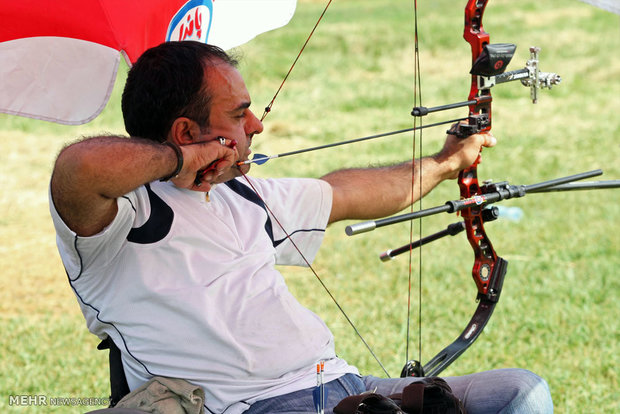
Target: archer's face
230, 112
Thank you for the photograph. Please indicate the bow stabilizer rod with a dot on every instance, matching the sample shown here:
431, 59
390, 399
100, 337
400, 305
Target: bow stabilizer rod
488, 214
491, 193
492, 213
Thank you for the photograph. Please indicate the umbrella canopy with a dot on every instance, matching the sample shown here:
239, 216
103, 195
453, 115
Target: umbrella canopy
609, 5
58, 59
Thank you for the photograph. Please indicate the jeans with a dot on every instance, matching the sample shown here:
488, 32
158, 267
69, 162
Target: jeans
506, 391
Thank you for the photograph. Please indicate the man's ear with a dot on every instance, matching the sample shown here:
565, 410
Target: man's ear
184, 131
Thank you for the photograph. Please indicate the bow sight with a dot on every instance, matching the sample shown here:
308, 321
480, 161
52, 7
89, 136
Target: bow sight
494, 56
489, 70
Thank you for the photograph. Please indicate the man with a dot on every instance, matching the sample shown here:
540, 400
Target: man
180, 273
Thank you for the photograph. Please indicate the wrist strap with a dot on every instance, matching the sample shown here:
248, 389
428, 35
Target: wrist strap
179, 154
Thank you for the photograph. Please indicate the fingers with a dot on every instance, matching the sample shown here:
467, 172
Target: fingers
206, 162
225, 142
225, 158
489, 140
460, 153
480, 140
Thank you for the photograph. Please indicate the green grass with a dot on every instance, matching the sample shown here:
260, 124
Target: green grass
558, 314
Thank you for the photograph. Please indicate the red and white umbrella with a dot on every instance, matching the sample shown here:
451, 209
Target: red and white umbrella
59, 58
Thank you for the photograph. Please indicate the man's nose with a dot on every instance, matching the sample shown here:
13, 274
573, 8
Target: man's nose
254, 125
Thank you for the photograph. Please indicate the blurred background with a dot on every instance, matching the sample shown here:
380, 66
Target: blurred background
558, 314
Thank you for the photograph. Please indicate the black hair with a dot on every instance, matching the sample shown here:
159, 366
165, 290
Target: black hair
166, 82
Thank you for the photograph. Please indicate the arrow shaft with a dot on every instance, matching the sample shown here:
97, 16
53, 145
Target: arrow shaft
263, 159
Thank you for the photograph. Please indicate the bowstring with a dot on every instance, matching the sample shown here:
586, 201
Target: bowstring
416, 143
307, 262
267, 110
268, 107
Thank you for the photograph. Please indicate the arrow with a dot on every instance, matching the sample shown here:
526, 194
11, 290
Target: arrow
260, 159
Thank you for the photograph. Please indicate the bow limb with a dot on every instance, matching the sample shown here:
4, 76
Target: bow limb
474, 327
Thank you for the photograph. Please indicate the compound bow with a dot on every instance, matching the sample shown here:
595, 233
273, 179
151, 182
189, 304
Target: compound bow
489, 62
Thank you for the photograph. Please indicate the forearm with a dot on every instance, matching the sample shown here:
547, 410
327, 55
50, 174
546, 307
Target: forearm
111, 166
91, 174
377, 192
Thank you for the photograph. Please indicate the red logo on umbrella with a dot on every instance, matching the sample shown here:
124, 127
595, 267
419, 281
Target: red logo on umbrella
191, 22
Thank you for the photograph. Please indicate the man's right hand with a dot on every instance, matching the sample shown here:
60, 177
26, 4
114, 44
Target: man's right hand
205, 162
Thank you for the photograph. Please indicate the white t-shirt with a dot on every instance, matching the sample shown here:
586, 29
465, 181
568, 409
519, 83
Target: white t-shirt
187, 288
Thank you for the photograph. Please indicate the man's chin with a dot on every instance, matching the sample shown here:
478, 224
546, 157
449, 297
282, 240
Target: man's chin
242, 169
233, 173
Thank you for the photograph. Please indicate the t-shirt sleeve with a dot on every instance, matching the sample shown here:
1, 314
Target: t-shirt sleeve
81, 253
299, 208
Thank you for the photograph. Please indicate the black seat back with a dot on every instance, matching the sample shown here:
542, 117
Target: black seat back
118, 381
